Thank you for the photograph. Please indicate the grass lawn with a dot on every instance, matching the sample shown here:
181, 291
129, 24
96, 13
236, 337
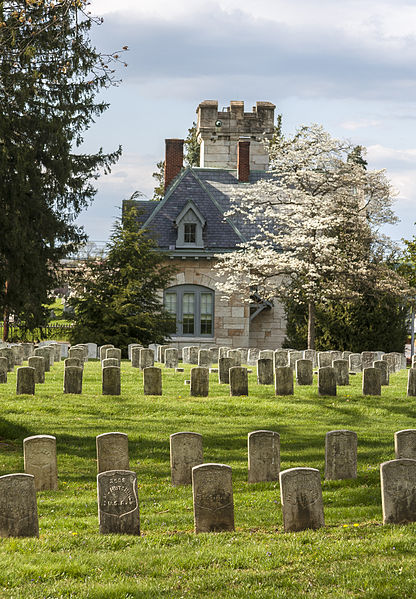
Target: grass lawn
353, 556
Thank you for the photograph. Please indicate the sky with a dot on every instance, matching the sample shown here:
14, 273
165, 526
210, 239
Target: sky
348, 65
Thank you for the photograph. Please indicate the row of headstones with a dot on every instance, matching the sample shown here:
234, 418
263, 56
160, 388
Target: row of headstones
118, 506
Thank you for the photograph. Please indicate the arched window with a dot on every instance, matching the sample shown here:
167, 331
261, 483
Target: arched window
193, 307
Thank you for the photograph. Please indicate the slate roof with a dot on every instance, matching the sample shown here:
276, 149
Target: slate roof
211, 190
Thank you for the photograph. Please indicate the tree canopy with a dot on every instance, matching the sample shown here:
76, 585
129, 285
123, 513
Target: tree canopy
318, 215
117, 299
50, 74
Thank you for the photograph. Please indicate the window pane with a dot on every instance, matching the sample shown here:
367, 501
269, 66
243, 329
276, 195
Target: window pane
170, 302
188, 308
206, 313
189, 233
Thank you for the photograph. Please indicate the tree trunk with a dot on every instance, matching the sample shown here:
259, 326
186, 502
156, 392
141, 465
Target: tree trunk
5, 316
311, 325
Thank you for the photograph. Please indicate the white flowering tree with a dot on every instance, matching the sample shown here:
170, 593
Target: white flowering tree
318, 217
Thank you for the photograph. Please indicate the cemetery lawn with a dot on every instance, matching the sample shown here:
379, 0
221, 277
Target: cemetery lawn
353, 556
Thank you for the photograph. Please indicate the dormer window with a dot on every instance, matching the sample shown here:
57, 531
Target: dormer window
190, 224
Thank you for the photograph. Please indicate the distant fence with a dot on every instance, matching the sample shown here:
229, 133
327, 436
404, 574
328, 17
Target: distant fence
51, 331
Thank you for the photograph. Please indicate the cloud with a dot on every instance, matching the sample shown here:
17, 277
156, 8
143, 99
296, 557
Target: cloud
360, 124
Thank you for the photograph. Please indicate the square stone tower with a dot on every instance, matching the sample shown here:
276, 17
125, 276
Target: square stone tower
219, 133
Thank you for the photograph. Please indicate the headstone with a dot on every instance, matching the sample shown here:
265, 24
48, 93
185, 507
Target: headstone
384, 369
3, 369
310, 354
214, 351
18, 507
110, 362
284, 380
355, 363
112, 452
185, 453
193, 354
28, 349
281, 358
213, 498
379, 354
84, 348
39, 453
294, 356
204, 358
64, 349
130, 347
326, 381
73, 379
367, 359
390, 358
6, 352
78, 352
185, 354
398, 491
253, 356
135, 356
147, 358
153, 347
103, 350
38, 363
346, 355
113, 352
238, 381
265, 374
342, 375
161, 352
223, 352
92, 350
301, 497
152, 381
118, 503
111, 380
243, 355
171, 357
199, 381
266, 354
43, 352
235, 356
335, 355
263, 456
57, 348
51, 352
324, 359
25, 381
411, 382
224, 365
73, 362
340, 455
304, 372
17, 354
405, 444
371, 381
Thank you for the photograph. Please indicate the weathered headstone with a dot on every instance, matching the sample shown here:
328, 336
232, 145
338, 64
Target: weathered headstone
103, 350
284, 380
335, 355
193, 354
266, 354
130, 347
92, 350
367, 359
185, 453
326, 381
25, 381
84, 347
342, 375
199, 381
301, 497
340, 455
18, 507
118, 503
384, 369
3, 369
294, 356
281, 358
113, 352
161, 353
223, 352
204, 358
263, 456
213, 357
238, 381
112, 452
78, 352
411, 382
28, 349
185, 354
235, 356
57, 348
243, 355
310, 354
171, 357
224, 365
304, 372
147, 358
213, 498
371, 381
324, 359
73, 362
111, 380
355, 363
73, 379
346, 355
265, 374
405, 444
135, 356
17, 354
39, 453
110, 362
398, 491
6, 352
38, 363
253, 356
152, 380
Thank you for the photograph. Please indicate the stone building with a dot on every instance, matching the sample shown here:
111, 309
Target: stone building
190, 225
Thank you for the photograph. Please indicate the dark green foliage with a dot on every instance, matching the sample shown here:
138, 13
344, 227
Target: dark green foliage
374, 322
192, 147
49, 76
117, 297
159, 176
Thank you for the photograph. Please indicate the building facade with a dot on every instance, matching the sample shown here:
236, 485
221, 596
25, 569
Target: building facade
190, 225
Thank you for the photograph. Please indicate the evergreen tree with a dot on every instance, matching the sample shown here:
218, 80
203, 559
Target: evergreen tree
49, 76
117, 299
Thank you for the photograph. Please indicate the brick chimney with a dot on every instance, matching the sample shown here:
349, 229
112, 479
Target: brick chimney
243, 161
173, 159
